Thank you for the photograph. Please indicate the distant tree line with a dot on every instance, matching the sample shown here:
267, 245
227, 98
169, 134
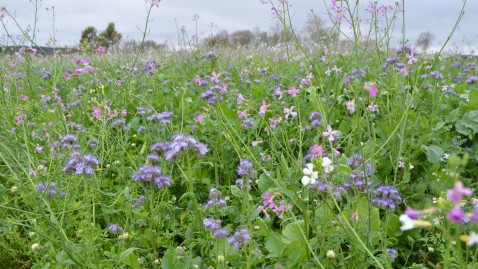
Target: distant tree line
108, 38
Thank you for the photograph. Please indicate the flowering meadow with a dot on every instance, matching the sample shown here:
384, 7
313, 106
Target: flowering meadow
291, 156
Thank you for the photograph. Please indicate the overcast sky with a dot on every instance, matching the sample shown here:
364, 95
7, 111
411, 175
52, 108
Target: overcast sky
72, 16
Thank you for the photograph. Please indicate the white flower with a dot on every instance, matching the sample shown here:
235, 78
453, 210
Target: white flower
330, 254
473, 240
310, 176
327, 164
407, 223
35, 246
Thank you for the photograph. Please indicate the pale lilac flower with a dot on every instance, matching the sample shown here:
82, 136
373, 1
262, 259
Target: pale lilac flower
330, 134
293, 91
263, 108
350, 106
115, 228
240, 98
289, 112
240, 238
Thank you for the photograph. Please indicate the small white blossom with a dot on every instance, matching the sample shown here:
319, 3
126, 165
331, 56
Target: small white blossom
35, 246
310, 176
330, 254
327, 164
473, 240
407, 223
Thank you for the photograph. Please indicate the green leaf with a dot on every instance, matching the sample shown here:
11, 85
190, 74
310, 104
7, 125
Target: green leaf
468, 124
274, 245
125, 254
266, 182
293, 232
473, 99
453, 116
434, 153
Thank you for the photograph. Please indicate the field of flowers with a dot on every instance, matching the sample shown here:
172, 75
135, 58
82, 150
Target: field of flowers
272, 157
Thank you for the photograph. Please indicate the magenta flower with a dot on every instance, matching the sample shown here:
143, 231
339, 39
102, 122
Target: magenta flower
331, 134
456, 214
373, 90
289, 112
413, 214
458, 192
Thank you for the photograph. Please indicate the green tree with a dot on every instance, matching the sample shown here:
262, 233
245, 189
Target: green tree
110, 37
89, 37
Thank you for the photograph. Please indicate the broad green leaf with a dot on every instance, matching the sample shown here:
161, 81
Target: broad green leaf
434, 153
293, 232
274, 245
125, 254
266, 182
468, 124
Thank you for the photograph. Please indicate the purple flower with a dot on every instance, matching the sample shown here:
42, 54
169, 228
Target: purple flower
245, 169
162, 118
139, 201
115, 228
456, 214
178, 144
413, 214
80, 164
392, 253
457, 193
387, 197
68, 140
151, 173
355, 161
315, 118
42, 187
240, 238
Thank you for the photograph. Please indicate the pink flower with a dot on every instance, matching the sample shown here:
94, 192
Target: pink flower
96, 112
200, 118
223, 89
263, 108
240, 99
373, 90
293, 91
242, 114
413, 214
458, 192
215, 77
68, 76
289, 112
331, 134
39, 149
101, 50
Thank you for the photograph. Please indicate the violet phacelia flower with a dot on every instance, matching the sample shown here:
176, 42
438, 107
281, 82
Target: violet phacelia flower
152, 174
81, 164
177, 145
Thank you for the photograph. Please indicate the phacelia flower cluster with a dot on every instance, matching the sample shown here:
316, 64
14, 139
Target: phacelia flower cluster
387, 197
81, 164
152, 174
179, 144
214, 226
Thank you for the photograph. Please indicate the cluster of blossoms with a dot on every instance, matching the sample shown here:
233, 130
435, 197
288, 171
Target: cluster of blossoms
387, 197
150, 67
214, 200
216, 91
214, 226
162, 118
178, 144
115, 228
269, 203
81, 163
42, 188
239, 238
413, 218
152, 174
246, 173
